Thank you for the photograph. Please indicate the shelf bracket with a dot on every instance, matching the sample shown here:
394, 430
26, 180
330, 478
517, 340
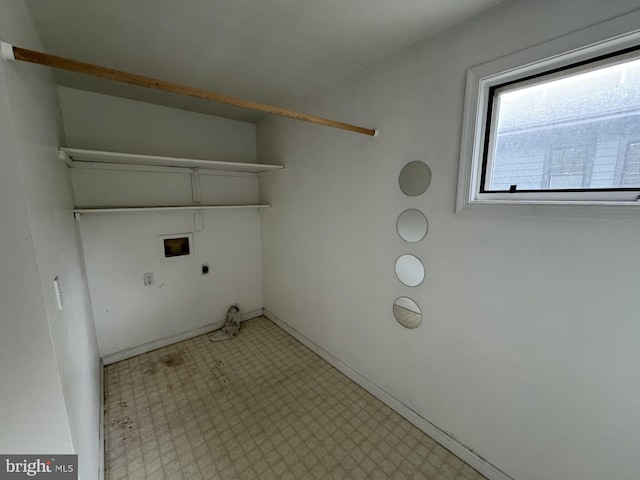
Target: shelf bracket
198, 220
195, 184
76, 216
65, 158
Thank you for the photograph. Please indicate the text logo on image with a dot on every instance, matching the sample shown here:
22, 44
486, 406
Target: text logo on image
41, 467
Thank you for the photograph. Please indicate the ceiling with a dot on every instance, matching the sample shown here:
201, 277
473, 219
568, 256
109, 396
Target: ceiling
270, 51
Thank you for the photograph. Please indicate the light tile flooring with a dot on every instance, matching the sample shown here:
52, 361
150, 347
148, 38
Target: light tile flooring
259, 406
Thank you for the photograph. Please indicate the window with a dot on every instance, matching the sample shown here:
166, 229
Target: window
561, 131
568, 168
555, 125
631, 172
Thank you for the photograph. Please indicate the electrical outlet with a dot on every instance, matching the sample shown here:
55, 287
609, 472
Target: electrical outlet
148, 279
205, 268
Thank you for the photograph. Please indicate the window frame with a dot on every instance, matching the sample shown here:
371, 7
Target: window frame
595, 43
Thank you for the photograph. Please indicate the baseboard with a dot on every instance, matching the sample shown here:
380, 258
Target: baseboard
163, 342
101, 435
443, 438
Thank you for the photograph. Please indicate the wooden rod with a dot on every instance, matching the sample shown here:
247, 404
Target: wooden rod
62, 63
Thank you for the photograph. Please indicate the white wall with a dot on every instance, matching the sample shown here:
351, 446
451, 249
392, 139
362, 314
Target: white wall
102, 122
121, 248
528, 351
50, 368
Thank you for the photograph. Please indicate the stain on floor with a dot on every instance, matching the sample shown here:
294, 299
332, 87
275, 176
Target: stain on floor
171, 360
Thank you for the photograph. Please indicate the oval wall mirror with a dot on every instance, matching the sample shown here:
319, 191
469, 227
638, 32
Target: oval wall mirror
407, 312
409, 270
415, 178
412, 225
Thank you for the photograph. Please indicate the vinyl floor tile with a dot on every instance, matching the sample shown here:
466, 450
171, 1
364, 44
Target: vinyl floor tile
258, 406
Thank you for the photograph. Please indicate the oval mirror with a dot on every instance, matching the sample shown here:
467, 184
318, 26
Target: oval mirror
412, 225
415, 178
407, 312
409, 270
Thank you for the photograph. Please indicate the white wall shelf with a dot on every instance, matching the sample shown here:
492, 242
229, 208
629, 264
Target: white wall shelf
80, 210
198, 217
75, 155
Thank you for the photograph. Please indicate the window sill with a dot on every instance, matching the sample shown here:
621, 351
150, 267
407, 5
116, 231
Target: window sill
564, 208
